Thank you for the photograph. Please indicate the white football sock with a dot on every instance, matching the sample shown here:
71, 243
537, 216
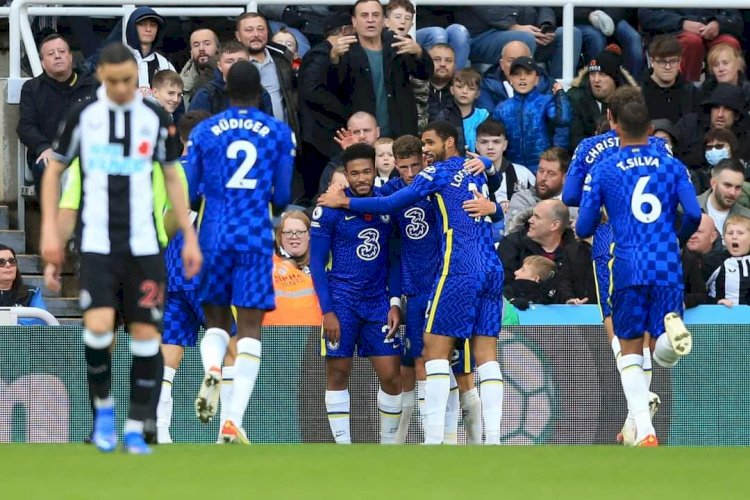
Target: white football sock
225, 392
389, 407
636, 392
420, 402
246, 369
133, 426
437, 387
471, 405
164, 407
664, 355
213, 348
407, 410
491, 394
450, 435
647, 367
615, 344
337, 407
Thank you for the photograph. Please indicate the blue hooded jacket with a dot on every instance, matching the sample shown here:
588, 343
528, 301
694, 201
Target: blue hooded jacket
493, 92
530, 121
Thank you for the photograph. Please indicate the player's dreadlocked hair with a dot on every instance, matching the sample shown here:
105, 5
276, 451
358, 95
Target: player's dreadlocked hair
407, 146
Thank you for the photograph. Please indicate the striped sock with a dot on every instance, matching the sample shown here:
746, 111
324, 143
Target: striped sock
437, 389
491, 394
450, 435
389, 407
337, 407
246, 371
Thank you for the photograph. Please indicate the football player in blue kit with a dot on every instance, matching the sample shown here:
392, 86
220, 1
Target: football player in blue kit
640, 187
588, 153
240, 161
354, 298
466, 298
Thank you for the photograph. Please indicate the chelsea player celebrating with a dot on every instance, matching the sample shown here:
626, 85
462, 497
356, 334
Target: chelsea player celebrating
588, 153
640, 187
354, 299
241, 161
466, 299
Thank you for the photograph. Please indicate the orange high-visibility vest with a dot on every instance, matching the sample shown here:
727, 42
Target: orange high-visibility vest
296, 302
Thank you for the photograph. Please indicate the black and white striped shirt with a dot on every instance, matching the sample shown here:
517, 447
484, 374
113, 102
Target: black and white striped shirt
731, 281
117, 146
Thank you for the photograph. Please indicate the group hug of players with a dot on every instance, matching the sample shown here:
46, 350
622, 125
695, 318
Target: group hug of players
444, 262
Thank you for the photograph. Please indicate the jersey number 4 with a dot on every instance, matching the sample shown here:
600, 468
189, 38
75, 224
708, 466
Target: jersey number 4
238, 180
641, 198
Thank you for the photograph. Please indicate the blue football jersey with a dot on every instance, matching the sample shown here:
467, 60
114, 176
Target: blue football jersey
359, 263
467, 244
240, 160
420, 242
588, 153
639, 186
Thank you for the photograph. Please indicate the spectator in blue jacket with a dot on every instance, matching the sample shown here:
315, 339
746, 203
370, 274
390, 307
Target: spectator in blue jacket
496, 86
534, 121
13, 292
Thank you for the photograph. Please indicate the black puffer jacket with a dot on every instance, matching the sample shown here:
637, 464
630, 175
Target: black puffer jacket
321, 111
44, 104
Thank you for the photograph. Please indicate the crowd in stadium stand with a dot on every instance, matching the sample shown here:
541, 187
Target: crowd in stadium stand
490, 71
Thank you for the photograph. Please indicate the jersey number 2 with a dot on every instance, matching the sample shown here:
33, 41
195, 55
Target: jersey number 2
641, 198
238, 180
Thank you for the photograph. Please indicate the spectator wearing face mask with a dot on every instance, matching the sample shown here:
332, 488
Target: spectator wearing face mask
719, 144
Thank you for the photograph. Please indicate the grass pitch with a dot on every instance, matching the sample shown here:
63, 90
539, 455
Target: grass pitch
374, 472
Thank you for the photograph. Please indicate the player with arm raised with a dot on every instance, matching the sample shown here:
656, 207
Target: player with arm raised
353, 295
118, 137
641, 187
240, 161
466, 299
588, 153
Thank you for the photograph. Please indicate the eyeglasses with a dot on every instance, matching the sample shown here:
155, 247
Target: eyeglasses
667, 62
709, 147
294, 234
5, 262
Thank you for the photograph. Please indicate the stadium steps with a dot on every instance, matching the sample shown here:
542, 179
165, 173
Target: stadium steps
64, 304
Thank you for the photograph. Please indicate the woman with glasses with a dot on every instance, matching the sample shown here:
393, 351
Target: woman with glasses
296, 302
13, 292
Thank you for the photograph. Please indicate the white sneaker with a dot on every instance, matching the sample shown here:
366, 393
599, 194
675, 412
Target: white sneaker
601, 21
679, 336
207, 401
653, 404
627, 433
162, 435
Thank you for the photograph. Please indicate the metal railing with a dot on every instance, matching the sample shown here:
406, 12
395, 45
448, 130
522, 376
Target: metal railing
10, 315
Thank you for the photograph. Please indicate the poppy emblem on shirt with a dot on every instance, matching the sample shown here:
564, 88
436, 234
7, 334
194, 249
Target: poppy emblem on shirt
144, 148
367, 218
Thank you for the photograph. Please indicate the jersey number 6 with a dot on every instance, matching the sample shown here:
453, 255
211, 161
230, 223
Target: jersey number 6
641, 198
238, 180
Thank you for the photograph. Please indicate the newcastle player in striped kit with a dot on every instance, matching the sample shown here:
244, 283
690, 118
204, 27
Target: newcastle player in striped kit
117, 137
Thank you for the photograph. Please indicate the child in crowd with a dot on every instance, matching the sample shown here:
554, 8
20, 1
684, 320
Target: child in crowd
531, 117
384, 162
492, 143
399, 18
461, 113
166, 88
286, 38
532, 283
730, 283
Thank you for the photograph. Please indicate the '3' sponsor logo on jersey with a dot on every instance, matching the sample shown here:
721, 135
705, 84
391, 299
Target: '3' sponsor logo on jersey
370, 247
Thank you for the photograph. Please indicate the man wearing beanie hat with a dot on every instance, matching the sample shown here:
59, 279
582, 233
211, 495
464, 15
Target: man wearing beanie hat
590, 90
321, 111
